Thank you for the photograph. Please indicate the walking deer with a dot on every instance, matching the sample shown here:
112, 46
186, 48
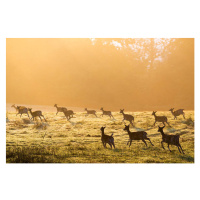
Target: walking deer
21, 110
127, 117
170, 139
106, 113
90, 112
59, 109
139, 135
177, 113
107, 139
35, 114
162, 119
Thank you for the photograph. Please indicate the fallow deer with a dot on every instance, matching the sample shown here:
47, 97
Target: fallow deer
21, 110
107, 139
106, 113
90, 112
177, 113
59, 109
127, 117
139, 135
170, 139
162, 119
35, 114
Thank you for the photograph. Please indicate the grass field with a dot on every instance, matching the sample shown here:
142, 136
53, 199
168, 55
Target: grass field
79, 140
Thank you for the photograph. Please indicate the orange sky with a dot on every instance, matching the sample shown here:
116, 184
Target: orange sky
83, 73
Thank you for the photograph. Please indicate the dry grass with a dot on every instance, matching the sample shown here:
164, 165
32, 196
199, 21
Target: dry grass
79, 140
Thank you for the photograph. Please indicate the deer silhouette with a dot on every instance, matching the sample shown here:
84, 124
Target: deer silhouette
127, 117
106, 138
21, 110
35, 114
59, 109
106, 113
170, 139
139, 135
90, 112
162, 119
177, 113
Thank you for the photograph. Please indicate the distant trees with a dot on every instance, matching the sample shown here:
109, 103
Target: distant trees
134, 73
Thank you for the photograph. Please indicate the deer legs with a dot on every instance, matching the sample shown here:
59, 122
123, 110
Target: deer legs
162, 145
144, 142
169, 148
179, 147
150, 141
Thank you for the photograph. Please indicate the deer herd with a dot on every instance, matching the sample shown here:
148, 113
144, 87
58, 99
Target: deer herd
106, 139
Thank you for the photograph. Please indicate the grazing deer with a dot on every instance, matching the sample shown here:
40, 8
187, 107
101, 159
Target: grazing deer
90, 112
59, 109
106, 138
35, 114
106, 113
162, 119
139, 135
170, 139
127, 117
21, 110
177, 113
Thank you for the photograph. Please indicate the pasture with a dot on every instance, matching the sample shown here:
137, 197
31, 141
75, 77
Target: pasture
79, 140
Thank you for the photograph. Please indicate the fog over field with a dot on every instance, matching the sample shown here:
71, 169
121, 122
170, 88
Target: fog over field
134, 74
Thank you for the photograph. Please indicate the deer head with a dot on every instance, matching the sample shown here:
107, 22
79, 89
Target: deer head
154, 112
126, 128
160, 129
121, 110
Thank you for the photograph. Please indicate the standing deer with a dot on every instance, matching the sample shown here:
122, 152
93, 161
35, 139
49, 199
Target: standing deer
139, 135
170, 139
59, 109
106, 138
21, 110
35, 114
127, 117
90, 112
162, 119
177, 113
106, 113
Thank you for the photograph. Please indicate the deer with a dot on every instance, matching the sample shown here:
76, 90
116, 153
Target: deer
68, 114
106, 113
162, 119
13, 106
21, 110
35, 114
177, 113
59, 109
127, 117
90, 112
170, 139
139, 135
107, 139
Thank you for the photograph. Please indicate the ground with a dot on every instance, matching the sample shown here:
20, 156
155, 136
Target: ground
79, 140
